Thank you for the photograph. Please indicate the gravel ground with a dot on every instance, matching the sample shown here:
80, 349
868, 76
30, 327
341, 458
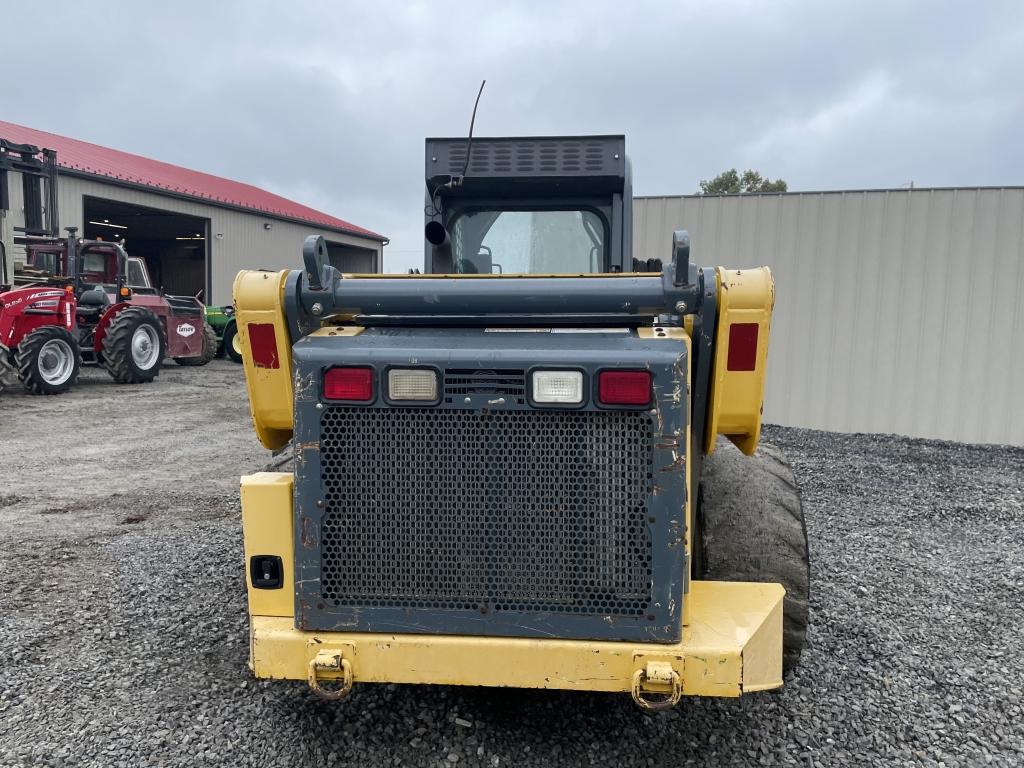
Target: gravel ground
123, 624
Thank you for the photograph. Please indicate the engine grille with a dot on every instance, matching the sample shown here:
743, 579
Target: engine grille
537, 511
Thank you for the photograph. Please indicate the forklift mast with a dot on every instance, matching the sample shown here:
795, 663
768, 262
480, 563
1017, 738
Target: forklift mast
38, 170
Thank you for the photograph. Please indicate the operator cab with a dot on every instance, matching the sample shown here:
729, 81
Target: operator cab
98, 270
529, 206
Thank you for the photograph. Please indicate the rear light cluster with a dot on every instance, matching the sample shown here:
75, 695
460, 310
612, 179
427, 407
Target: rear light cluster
356, 384
547, 387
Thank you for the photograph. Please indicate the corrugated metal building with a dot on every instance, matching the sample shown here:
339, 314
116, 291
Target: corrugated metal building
194, 230
896, 311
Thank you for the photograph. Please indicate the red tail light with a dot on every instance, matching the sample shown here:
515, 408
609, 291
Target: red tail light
742, 347
349, 384
624, 387
263, 345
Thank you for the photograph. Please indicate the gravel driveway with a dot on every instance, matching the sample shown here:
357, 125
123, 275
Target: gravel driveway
123, 624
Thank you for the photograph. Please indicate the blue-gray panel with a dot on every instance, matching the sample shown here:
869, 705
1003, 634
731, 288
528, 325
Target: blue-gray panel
477, 516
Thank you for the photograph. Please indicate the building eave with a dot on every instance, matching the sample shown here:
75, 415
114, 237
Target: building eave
164, 192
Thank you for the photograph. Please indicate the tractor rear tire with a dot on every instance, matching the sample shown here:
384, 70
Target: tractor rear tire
48, 361
209, 349
751, 528
134, 346
232, 343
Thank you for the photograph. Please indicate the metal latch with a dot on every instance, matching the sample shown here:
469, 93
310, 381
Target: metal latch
329, 665
660, 679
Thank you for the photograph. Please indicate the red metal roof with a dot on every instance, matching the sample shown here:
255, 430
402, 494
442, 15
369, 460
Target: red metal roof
81, 156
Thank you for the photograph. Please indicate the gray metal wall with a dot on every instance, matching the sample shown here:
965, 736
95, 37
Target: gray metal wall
238, 240
896, 311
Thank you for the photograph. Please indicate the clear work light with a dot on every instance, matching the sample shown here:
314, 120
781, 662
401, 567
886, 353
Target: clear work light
412, 384
564, 387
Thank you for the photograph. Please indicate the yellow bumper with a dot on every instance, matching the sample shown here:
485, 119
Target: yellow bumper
733, 645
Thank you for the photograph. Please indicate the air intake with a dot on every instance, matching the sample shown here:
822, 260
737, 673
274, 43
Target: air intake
498, 382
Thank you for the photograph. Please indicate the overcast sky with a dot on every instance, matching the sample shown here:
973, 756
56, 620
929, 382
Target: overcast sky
328, 103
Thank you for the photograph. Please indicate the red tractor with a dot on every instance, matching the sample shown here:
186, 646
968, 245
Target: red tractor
86, 301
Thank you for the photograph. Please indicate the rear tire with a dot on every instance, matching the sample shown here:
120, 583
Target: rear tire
233, 343
134, 346
209, 349
48, 361
751, 528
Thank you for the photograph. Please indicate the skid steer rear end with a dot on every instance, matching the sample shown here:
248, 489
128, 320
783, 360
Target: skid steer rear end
508, 471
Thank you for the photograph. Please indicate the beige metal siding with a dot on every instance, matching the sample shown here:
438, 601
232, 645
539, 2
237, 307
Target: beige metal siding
238, 240
896, 311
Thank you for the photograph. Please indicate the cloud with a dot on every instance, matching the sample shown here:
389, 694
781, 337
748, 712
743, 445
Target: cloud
828, 123
329, 102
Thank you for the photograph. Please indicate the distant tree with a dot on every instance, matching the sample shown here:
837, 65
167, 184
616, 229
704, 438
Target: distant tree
731, 183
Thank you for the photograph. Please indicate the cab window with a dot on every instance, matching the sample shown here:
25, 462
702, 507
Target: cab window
528, 242
95, 263
137, 277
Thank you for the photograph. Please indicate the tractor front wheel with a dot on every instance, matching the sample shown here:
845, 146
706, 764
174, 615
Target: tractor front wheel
233, 343
751, 528
48, 361
134, 346
209, 349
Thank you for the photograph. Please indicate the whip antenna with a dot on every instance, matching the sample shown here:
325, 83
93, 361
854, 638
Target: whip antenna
472, 122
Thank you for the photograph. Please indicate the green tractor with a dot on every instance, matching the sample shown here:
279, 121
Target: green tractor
222, 320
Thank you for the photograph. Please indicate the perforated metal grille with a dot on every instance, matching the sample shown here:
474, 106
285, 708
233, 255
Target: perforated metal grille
531, 156
507, 511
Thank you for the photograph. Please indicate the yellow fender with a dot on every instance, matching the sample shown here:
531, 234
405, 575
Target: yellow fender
266, 353
745, 301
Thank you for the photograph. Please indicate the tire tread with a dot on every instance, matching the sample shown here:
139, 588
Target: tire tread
117, 346
26, 355
752, 528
